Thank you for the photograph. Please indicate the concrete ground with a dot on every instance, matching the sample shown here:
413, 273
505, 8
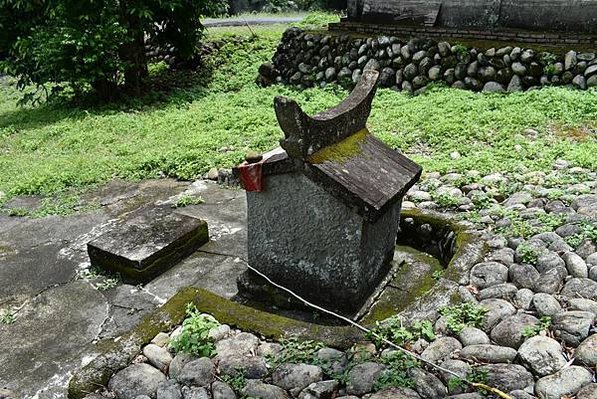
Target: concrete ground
61, 310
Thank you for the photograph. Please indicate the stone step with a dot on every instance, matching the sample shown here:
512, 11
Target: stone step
147, 243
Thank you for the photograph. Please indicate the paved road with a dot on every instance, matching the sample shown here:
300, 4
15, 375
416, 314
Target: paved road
62, 316
237, 21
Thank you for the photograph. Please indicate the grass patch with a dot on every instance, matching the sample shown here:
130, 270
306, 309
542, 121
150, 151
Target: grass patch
54, 147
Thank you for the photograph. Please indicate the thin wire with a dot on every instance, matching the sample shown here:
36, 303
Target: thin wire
373, 333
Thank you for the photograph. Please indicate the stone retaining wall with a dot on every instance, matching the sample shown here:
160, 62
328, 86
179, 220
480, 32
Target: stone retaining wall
305, 59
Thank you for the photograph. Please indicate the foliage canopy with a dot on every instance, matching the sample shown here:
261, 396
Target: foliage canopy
95, 44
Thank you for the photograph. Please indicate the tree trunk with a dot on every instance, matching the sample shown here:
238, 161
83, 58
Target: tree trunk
133, 53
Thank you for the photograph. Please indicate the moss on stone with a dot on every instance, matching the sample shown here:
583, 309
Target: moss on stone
341, 151
274, 326
116, 354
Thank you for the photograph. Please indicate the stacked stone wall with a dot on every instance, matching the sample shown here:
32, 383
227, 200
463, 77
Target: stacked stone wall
306, 60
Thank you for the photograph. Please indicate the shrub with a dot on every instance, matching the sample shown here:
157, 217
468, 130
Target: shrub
91, 44
460, 316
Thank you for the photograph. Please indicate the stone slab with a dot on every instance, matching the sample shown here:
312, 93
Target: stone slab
149, 242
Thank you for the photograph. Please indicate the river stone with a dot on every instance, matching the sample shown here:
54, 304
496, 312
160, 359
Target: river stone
509, 332
586, 353
332, 360
240, 344
462, 369
523, 275
565, 382
582, 304
178, 363
498, 309
493, 87
549, 260
576, 265
546, 305
252, 367
486, 274
195, 393
441, 349
488, 353
221, 390
391, 393
551, 281
198, 372
515, 84
320, 390
269, 349
158, 356
587, 392
573, 327
168, 390
259, 389
427, 385
520, 394
543, 355
473, 336
137, 379
296, 376
470, 395
503, 291
580, 288
362, 377
523, 298
507, 377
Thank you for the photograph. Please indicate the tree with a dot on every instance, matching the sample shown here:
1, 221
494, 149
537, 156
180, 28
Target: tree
95, 44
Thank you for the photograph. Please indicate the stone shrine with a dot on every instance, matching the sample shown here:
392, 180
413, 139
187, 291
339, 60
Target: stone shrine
323, 210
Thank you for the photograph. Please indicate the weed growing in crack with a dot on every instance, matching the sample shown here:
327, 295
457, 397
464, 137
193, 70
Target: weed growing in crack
464, 315
393, 330
100, 279
531, 331
186, 200
296, 351
7, 317
396, 375
194, 336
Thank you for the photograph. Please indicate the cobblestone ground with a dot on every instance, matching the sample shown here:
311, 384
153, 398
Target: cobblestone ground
526, 325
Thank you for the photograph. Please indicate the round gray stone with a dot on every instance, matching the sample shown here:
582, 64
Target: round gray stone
567, 381
221, 390
427, 385
542, 355
158, 356
198, 372
473, 336
296, 376
523, 276
137, 379
332, 360
486, 274
488, 353
498, 309
589, 391
178, 363
580, 288
259, 389
546, 305
508, 377
441, 349
362, 377
573, 327
576, 265
586, 353
168, 390
240, 344
509, 332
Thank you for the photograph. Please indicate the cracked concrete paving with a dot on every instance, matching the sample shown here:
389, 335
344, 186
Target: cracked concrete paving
60, 316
